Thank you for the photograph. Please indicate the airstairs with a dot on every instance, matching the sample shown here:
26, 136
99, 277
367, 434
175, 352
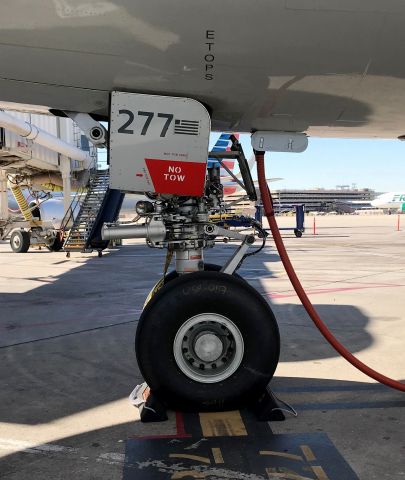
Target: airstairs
95, 204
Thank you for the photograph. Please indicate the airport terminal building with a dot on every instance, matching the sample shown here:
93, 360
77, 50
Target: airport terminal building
341, 200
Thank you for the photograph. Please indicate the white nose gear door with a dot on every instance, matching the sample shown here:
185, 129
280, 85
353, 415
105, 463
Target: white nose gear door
158, 144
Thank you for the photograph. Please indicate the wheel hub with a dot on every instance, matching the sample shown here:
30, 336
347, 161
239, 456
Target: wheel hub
208, 348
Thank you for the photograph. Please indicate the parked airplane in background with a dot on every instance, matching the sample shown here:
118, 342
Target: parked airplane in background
50, 208
231, 187
390, 200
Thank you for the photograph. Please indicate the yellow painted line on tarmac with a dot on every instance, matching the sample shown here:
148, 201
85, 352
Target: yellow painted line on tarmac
222, 424
273, 473
282, 454
187, 474
197, 458
308, 453
320, 473
217, 454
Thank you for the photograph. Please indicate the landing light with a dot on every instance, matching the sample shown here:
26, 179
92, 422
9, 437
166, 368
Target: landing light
144, 207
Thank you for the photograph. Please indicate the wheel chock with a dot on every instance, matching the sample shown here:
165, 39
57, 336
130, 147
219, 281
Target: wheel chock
150, 408
267, 409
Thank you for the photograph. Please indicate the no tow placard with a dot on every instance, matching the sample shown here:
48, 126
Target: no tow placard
158, 144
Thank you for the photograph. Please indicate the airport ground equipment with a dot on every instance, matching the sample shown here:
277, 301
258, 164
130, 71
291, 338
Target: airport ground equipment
98, 204
206, 340
28, 228
236, 221
299, 228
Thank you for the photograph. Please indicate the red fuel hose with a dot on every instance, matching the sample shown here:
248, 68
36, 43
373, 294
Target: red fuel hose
268, 209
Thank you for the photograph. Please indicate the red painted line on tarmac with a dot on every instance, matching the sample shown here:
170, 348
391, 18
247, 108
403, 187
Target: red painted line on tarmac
180, 425
157, 437
181, 431
331, 290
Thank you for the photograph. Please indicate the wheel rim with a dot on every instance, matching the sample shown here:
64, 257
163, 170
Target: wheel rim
208, 348
16, 241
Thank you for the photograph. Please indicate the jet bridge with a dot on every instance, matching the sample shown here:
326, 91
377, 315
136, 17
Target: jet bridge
38, 152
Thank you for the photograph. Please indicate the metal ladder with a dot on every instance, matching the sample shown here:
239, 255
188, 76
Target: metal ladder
80, 232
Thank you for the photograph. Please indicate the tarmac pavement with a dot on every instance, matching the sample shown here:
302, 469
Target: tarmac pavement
67, 362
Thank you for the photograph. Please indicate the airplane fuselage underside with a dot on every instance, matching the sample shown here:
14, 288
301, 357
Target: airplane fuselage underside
330, 68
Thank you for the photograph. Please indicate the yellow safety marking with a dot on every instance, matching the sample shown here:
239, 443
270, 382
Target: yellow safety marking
188, 474
222, 424
197, 458
218, 458
320, 473
282, 454
161, 282
169, 256
308, 453
154, 290
273, 473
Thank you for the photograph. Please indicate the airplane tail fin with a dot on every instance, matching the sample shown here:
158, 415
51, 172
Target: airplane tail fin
223, 144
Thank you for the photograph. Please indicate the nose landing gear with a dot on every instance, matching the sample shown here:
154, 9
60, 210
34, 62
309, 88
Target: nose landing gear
206, 340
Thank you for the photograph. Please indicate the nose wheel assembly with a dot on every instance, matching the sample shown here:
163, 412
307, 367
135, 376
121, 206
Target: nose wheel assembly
206, 340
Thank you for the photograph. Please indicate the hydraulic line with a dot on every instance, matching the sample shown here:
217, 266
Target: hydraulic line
268, 208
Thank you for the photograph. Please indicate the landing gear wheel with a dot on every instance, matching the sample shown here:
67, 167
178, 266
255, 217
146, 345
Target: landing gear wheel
208, 267
20, 241
207, 341
298, 233
57, 244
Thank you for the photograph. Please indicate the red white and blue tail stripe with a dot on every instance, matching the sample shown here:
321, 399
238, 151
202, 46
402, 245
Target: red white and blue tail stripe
223, 144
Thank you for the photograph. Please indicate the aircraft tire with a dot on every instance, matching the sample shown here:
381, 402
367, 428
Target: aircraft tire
207, 341
208, 267
20, 241
57, 245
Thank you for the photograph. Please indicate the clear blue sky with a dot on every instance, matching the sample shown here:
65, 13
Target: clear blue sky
376, 164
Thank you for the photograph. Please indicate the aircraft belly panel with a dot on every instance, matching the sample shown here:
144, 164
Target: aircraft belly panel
58, 67
375, 6
326, 67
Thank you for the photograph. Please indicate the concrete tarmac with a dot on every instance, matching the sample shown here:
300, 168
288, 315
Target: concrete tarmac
67, 361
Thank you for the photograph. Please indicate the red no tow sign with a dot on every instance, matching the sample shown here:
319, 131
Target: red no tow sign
158, 144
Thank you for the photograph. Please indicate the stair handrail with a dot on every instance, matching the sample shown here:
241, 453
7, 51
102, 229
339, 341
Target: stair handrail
88, 189
69, 215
